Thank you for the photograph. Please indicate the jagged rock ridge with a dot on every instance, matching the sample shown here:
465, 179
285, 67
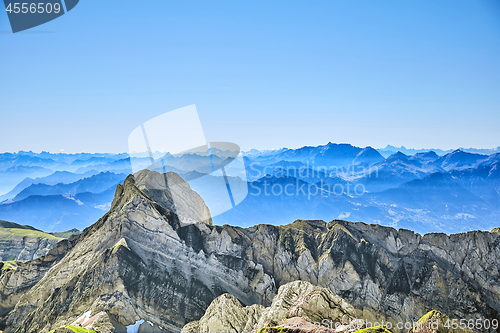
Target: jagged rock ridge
134, 263
300, 307
298, 299
144, 261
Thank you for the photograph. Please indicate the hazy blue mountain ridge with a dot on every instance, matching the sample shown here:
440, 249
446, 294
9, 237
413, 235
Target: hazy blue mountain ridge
94, 184
54, 212
425, 192
64, 177
388, 150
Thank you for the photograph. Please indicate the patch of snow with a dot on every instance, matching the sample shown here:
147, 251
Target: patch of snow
84, 317
135, 327
75, 200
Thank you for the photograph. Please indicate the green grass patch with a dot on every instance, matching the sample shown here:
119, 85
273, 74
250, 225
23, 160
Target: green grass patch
426, 316
33, 233
8, 265
7, 234
376, 329
76, 329
271, 329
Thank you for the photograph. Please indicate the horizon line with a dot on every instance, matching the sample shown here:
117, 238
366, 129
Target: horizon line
62, 152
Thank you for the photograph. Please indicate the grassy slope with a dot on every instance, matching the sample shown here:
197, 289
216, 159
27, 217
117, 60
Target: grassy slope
8, 265
12, 233
77, 329
10, 230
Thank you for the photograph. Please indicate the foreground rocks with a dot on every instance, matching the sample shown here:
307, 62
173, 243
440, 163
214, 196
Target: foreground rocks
143, 262
300, 307
296, 302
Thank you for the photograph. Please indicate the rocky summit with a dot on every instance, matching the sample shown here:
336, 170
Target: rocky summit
295, 301
156, 262
300, 307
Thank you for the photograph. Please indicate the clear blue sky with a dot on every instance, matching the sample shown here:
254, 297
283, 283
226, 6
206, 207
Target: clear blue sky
263, 74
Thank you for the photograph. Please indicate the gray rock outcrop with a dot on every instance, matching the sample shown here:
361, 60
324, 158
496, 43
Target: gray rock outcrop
140, 261
19, 242
298, 299
136, 262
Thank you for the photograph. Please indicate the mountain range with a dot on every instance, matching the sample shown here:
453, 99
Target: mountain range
389, 150
62, 206
425, 192
147, 265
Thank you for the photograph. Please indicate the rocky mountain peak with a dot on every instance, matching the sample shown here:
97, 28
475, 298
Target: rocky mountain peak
398, 156
140, 264
300, 307
167, 190
294, 300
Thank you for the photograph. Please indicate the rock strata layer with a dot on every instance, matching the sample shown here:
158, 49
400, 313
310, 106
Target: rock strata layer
19, 242
298, 299
143, 260
300, 307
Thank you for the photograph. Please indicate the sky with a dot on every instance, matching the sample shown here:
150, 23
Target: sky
262, 74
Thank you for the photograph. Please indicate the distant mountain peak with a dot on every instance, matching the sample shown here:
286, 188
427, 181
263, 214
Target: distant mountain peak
397, 156
430, 153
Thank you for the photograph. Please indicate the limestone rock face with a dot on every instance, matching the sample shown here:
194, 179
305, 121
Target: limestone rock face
295, 299
300, 307
226, 314
18, 242
312, 303
141, 262
384, 273
135, 263
173, 193
26, 248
